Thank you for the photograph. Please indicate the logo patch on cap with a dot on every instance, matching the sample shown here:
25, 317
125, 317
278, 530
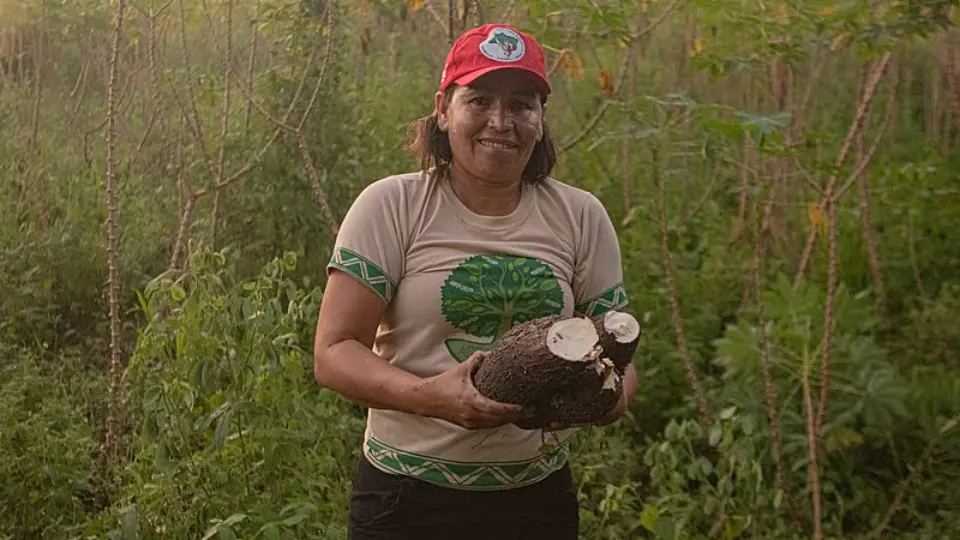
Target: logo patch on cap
503, 45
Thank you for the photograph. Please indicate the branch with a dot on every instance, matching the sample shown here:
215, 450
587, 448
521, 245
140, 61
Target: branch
855, 125
814, 467
950, 65
656, 22
281, 126
315, 183
436, 16
327, 53
862, 165
672, 288
914, 260
508, 11
700, 204
113, 285
254, 34
224, 123
914, 473
799, 115
592, 123
632, 40
763, 341
831, 202
192, 116
556, 63
178, 245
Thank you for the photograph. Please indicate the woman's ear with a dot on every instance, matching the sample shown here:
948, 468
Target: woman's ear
543, 115
440, 109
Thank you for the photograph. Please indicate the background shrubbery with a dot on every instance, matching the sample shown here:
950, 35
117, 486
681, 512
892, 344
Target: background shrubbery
700, 124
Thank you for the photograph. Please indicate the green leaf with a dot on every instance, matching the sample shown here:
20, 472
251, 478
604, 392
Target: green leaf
270, 531
666, 528
716, 432
223, 428
130, 523
293, 520
223, 525
672, 431
949, 425
728, 413
161, 458
649, 517
177, 293
290, 261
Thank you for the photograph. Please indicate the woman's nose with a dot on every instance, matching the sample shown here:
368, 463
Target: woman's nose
499, 116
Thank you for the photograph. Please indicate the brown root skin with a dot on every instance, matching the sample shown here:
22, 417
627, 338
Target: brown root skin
527, 367
620, 352
580, 410
521, 370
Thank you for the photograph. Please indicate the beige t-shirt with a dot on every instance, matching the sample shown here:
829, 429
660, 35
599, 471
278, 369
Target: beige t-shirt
454, 281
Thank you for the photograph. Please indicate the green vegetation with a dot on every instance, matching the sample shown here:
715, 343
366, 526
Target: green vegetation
782, 176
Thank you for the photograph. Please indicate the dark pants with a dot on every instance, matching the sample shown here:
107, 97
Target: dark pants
390, 507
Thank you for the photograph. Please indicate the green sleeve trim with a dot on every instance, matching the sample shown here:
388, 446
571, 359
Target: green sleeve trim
365, 270
611, 299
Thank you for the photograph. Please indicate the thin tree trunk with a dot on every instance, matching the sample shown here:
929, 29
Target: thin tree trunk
113, 415
672, 289
861, 112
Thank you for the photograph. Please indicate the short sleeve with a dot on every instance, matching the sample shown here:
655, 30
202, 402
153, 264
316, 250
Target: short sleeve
598, 280
370, 245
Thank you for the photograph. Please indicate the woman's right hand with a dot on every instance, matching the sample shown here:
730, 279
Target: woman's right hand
453, 397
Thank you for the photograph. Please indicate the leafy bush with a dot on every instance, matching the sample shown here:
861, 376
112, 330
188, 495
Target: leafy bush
48, 444
236, 439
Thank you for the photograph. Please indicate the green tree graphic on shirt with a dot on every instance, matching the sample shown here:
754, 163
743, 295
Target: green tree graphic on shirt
487, 294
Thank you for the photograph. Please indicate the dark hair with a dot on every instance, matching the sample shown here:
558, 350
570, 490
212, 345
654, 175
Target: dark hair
431, 147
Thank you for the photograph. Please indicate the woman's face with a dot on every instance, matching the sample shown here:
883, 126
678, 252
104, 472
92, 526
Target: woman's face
493, 124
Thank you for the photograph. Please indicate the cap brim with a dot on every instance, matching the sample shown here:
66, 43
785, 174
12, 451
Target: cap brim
469, 78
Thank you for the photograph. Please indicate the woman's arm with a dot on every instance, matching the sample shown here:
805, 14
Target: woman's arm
344, 362
342, 357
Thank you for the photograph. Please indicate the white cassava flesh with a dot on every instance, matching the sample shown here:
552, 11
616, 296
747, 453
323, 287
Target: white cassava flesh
603, 365
622, 325
610, 383
575, 340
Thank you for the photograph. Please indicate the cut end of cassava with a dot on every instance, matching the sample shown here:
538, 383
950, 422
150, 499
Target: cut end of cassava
573, 339
619, 337
623, 326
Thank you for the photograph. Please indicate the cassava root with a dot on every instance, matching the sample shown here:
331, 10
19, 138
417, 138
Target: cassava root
560, 369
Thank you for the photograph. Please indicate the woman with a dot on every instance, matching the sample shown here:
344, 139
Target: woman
406, 314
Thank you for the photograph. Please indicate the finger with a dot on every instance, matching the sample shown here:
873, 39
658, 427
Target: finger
474, 360
480, 420
496, 408
490, 406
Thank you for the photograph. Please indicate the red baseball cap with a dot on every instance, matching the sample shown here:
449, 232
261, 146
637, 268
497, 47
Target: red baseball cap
491, 47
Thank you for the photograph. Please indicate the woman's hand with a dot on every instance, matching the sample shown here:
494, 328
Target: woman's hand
453, 397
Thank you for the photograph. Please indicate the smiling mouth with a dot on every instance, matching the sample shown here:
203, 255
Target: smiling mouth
498, 144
